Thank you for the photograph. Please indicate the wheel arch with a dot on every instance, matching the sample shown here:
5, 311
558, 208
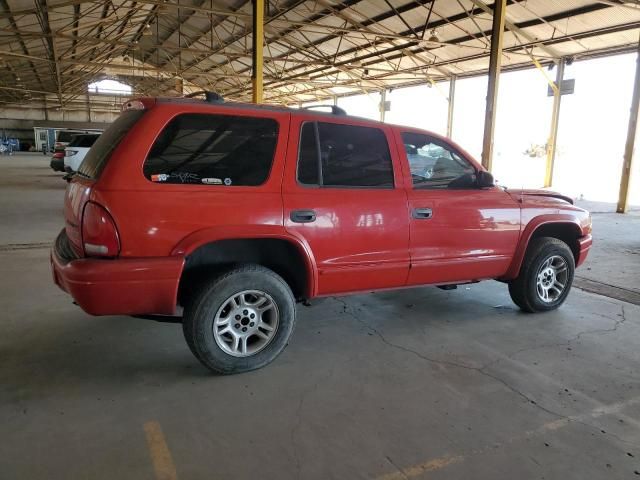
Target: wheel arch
563, 227
208, 251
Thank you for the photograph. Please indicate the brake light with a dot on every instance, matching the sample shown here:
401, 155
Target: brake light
133, 105
70, 153
99, 232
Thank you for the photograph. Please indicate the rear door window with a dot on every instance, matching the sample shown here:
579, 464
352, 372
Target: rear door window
344, 156
208, 149
98, 156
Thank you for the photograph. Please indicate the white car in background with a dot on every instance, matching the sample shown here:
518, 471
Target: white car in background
77, 149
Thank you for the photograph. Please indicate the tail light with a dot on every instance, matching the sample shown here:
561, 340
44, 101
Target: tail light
99, 232
70, 153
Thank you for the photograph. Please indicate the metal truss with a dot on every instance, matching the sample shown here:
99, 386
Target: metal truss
314, 49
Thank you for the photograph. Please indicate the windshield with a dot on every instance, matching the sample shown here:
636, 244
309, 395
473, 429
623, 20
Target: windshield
98, 156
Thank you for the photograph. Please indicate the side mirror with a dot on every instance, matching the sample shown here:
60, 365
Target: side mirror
485, 179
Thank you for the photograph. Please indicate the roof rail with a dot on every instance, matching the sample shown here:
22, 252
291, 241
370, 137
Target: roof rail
210, 97
335, 110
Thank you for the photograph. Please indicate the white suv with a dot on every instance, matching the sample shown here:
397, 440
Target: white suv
75, 152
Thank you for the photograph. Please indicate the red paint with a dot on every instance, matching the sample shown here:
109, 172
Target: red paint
362, 239
120, 287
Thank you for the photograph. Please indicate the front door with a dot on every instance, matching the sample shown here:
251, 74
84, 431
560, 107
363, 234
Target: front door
343, 195
458, 232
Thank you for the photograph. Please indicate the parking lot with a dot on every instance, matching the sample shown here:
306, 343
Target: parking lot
418, 383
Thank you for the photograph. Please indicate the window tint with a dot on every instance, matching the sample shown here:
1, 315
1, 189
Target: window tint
65, 136
213, 150
84, 141
308, 170
434, 164
101, 150
349, 156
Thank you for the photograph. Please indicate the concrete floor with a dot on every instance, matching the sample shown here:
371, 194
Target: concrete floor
419, 383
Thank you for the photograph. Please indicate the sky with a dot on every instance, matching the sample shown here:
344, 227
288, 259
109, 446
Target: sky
591, 135
110, 86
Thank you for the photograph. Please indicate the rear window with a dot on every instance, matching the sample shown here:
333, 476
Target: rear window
65, 136
83, 141
97, 157
208, 149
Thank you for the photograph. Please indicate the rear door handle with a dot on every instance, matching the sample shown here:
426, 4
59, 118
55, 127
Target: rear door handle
302, 216
422, 213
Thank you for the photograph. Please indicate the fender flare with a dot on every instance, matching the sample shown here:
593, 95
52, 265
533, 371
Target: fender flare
197, 239
527, 233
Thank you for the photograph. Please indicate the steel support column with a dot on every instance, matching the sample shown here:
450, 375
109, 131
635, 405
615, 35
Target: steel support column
451, 100
258, 43
555, 118
625, 180
497, 31
88, 106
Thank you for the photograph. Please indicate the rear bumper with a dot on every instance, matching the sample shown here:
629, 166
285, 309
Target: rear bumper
135, 286
584, 244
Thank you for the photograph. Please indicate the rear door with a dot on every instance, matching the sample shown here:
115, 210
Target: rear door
459, 232
343, 195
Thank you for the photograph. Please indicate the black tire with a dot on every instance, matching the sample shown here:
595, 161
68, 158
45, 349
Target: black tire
202, 307
524, 290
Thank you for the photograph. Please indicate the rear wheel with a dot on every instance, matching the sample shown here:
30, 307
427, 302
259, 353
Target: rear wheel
240, 320
545, 277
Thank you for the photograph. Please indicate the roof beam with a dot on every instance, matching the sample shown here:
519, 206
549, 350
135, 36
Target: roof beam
511, 26
460, 40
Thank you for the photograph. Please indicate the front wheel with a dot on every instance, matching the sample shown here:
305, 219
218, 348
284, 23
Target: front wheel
241, 320
545, 277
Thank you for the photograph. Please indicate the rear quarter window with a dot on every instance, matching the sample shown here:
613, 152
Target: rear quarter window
213, 149
65, 137
84, 141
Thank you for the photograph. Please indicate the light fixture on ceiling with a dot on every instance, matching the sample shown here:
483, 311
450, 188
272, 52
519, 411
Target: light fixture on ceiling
433, 37
147, 30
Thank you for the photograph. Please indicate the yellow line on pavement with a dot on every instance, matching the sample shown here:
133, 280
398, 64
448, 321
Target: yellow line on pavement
443, 462
417, 470
159, 452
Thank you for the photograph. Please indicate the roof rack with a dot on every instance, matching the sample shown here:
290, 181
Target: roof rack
210, 97
335, 110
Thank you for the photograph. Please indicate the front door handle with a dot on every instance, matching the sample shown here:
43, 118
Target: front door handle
302, 216
422, 213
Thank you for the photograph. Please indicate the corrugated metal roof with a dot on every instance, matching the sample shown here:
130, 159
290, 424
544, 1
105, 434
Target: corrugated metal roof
313, 48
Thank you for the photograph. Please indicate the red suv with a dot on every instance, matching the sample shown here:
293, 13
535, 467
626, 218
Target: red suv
227, 214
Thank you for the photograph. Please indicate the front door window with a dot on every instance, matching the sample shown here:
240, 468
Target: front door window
436, 165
